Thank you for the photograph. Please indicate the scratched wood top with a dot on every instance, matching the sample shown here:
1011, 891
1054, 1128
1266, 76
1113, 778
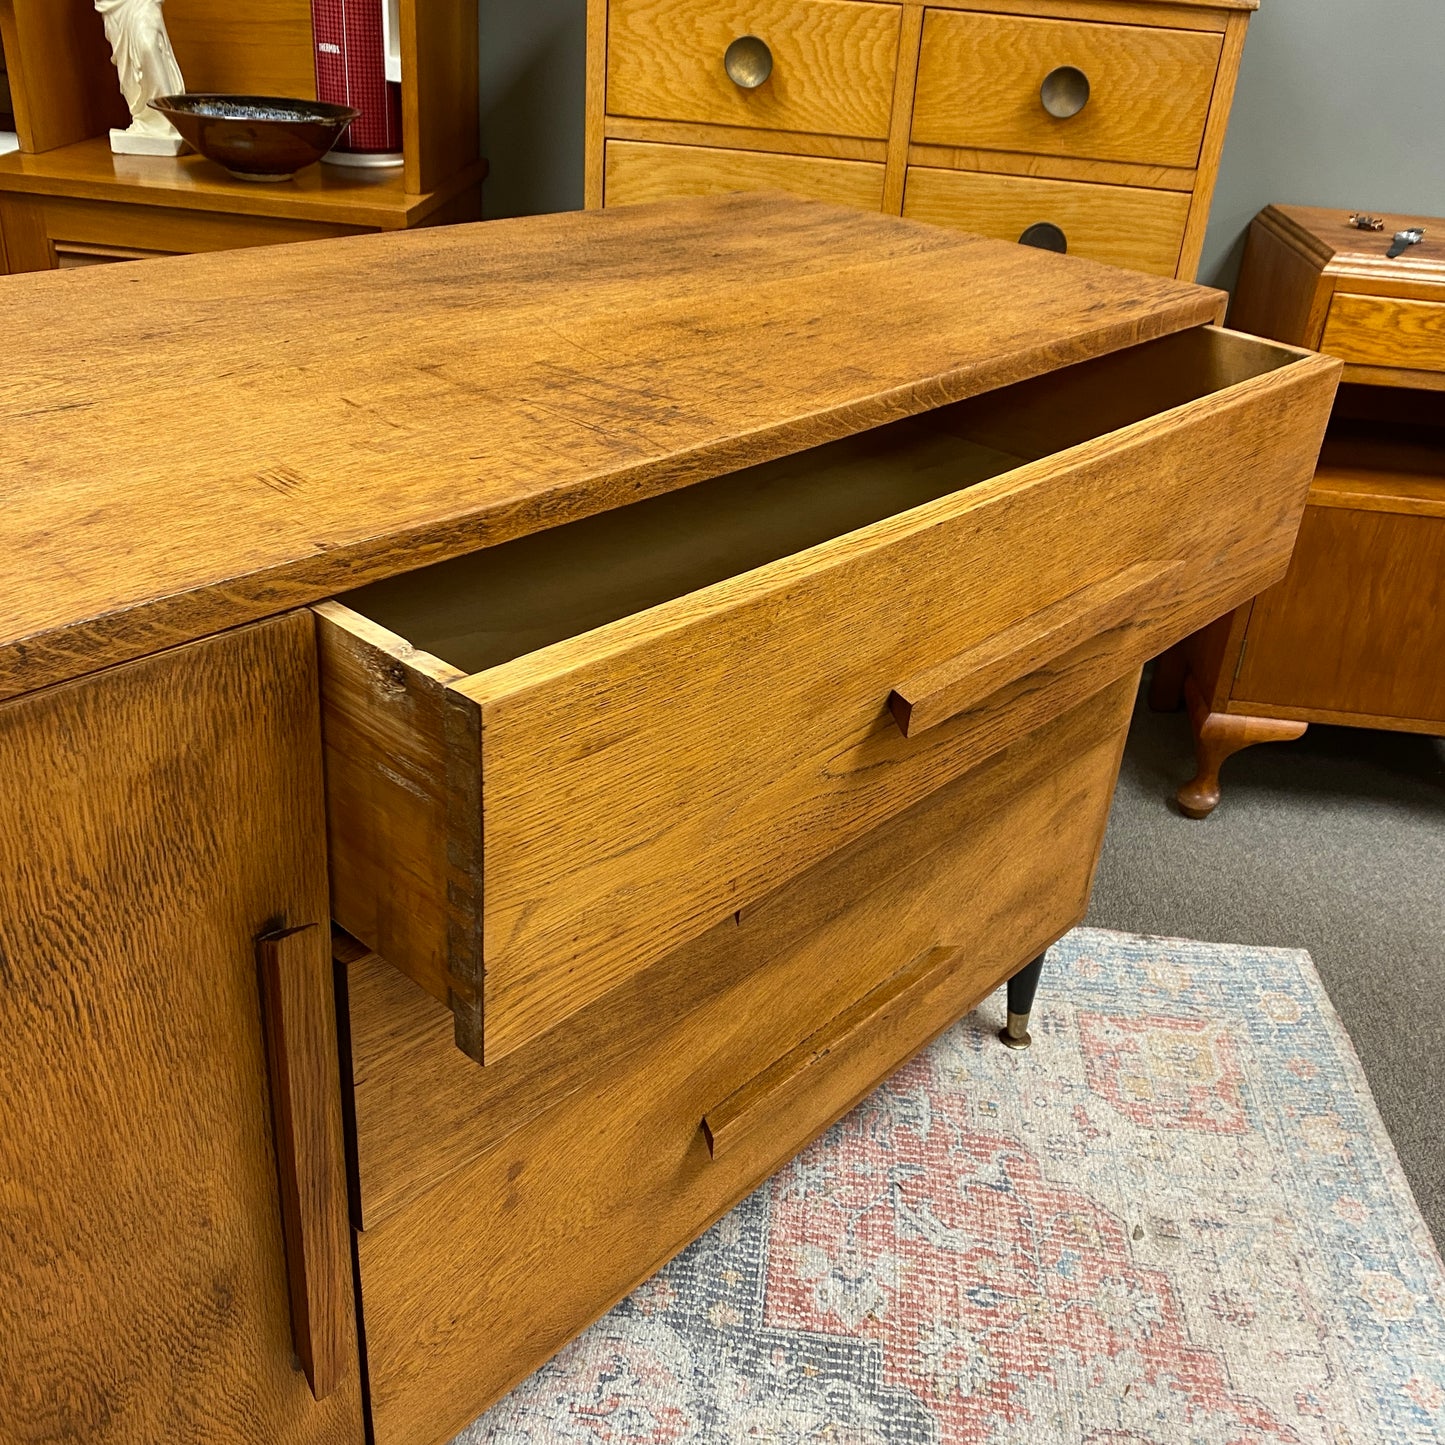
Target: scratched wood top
1327, 237
192, 443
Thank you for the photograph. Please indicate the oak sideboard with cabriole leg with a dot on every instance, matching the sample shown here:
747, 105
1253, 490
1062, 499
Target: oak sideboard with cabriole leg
685, 650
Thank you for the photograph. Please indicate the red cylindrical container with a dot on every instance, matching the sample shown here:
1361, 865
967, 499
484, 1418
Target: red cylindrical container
351, 70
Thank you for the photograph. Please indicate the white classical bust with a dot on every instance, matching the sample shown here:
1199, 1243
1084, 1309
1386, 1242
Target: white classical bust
146, 66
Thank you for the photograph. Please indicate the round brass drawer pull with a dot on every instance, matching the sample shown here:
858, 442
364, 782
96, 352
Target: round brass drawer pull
1065, 91
748, 62
1045, 236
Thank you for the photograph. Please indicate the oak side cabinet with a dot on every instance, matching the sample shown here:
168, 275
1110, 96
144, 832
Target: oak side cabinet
1088, 126
1355, 633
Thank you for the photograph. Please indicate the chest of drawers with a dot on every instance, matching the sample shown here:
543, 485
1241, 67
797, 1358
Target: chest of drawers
687, 649
1092, 126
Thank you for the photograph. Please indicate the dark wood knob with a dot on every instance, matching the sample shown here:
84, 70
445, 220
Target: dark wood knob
748, 62
1045, 236
1065, 91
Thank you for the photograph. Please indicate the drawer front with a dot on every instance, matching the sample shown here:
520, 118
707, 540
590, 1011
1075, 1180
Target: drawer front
71, 222
871, 907
562, 821
828, 63
1064, 87
1386, 331
1119, 225
522, 1242
642, 171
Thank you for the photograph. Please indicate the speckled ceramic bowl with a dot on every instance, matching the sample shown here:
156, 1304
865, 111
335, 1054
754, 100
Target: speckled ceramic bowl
257, 137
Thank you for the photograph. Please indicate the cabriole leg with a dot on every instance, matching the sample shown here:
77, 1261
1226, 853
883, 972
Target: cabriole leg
1218, 736
1021, 990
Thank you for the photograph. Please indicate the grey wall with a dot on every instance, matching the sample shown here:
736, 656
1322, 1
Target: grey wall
1340, 103
534, 63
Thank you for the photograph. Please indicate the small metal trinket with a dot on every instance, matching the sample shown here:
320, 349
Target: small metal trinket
1410, 236
1363, 221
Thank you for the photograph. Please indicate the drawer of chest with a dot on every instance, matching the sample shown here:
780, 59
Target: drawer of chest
823, 66
1064, 87
1120, 225
1386, 331
552, 762
643, 171
505, 1207
996, 863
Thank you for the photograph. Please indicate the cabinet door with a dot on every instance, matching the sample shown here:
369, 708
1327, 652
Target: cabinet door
1355, 630
155, 819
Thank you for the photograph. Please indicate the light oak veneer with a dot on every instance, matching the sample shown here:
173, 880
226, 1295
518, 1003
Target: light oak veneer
592, 744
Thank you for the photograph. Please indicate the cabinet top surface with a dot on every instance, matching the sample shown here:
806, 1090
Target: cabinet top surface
1328, 239
192, 443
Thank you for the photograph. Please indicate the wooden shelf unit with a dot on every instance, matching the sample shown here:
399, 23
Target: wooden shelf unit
65, 199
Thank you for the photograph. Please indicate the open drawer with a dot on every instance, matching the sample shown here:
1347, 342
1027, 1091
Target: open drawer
552, 762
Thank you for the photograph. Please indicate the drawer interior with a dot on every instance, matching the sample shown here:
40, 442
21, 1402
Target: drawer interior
480, 611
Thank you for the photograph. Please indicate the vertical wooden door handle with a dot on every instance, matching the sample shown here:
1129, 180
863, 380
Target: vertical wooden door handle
298, 999
1028, 645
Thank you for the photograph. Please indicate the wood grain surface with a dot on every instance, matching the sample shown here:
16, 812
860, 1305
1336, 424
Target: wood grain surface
439, 91
61, 226
333, 435
501, 1262
264, 48
383, 716
1358, 624
745, 138
979, 78
1118, 225
88, 170
404, 1056
637, 171
609, 766
1211, 150
832, 72
1349, 636
1032, 643
1176, 14
1359, 260
299, 999
1383, 464
831, 1070
1282, 291
62, 82
1386, 331
1047, 167
154, 820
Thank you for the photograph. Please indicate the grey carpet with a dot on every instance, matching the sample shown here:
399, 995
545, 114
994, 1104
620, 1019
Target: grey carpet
1334, 843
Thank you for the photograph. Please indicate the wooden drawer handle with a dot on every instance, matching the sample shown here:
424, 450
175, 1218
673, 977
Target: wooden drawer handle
748, 62
1065, 92
836, 1060
1030, 644
299, 1002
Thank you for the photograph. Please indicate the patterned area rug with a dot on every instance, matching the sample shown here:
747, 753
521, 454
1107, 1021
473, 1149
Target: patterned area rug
1177, 1220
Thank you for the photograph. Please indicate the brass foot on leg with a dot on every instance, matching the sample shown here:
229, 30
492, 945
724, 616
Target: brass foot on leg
1021, 989
1015, 1033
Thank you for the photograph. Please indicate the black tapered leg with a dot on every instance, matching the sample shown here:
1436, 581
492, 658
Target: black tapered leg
1021, 990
